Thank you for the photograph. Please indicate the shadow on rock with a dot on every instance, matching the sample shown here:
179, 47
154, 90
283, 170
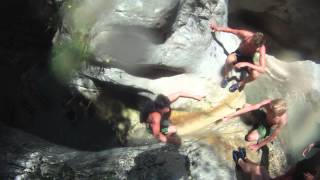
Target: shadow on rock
164, 163
53, 111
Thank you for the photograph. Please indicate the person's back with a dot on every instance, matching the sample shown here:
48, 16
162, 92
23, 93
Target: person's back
248, 45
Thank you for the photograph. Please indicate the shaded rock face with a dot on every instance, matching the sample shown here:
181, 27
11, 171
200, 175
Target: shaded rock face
289, 23
26, 35
27, 157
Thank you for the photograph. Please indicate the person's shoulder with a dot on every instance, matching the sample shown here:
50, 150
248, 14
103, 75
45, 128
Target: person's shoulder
283, 119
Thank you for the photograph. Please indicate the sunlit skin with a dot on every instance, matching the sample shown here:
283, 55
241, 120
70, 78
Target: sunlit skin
154, 118
275, 122
248, 48
258, 172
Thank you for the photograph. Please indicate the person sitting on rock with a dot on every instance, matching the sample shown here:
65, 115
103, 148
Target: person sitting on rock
157, 117
308, 169
242, 58
269, 117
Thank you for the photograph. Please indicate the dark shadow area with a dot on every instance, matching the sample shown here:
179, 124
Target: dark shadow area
281, 36
21, 151
35, 101
164, 163
265, 157
54, 111
240, 174
50, 110
167, 29
128, 95
151, 71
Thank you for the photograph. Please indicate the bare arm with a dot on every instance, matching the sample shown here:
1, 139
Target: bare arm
270, 138
175, 96
240, 33
309, 147
247, 109
155, 126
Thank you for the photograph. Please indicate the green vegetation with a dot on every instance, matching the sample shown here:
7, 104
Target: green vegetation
68, 55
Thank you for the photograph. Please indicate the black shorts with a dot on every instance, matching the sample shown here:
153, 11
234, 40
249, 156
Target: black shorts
243, 58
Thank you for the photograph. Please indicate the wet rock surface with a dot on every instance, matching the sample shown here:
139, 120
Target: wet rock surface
124, 54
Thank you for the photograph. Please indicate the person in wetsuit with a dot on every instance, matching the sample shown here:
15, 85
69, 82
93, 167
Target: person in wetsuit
242, 58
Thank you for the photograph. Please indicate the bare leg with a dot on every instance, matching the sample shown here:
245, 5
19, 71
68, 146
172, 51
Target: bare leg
257, 172
252, 136
228, 66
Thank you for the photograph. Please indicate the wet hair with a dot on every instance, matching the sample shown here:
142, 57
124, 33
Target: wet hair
258, 39
279, 106
161, 102
145, 110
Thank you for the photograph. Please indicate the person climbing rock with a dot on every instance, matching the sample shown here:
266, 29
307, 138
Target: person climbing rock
156, 115
269, 117
242, 58
307, 169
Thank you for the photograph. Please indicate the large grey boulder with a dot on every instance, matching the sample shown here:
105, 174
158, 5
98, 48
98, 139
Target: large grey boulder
27, 157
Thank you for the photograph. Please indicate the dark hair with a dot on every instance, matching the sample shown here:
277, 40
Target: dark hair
159, 103
259, 39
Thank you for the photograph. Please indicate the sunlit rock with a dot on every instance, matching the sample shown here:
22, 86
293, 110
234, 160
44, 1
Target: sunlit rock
113, 57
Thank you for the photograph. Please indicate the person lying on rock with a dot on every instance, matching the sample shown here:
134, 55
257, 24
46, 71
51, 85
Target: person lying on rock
308, 169
158, 117
242, 58
268, 116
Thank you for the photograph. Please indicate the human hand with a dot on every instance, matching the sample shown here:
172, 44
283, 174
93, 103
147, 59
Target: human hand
254, 147
214, 27
307, 149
